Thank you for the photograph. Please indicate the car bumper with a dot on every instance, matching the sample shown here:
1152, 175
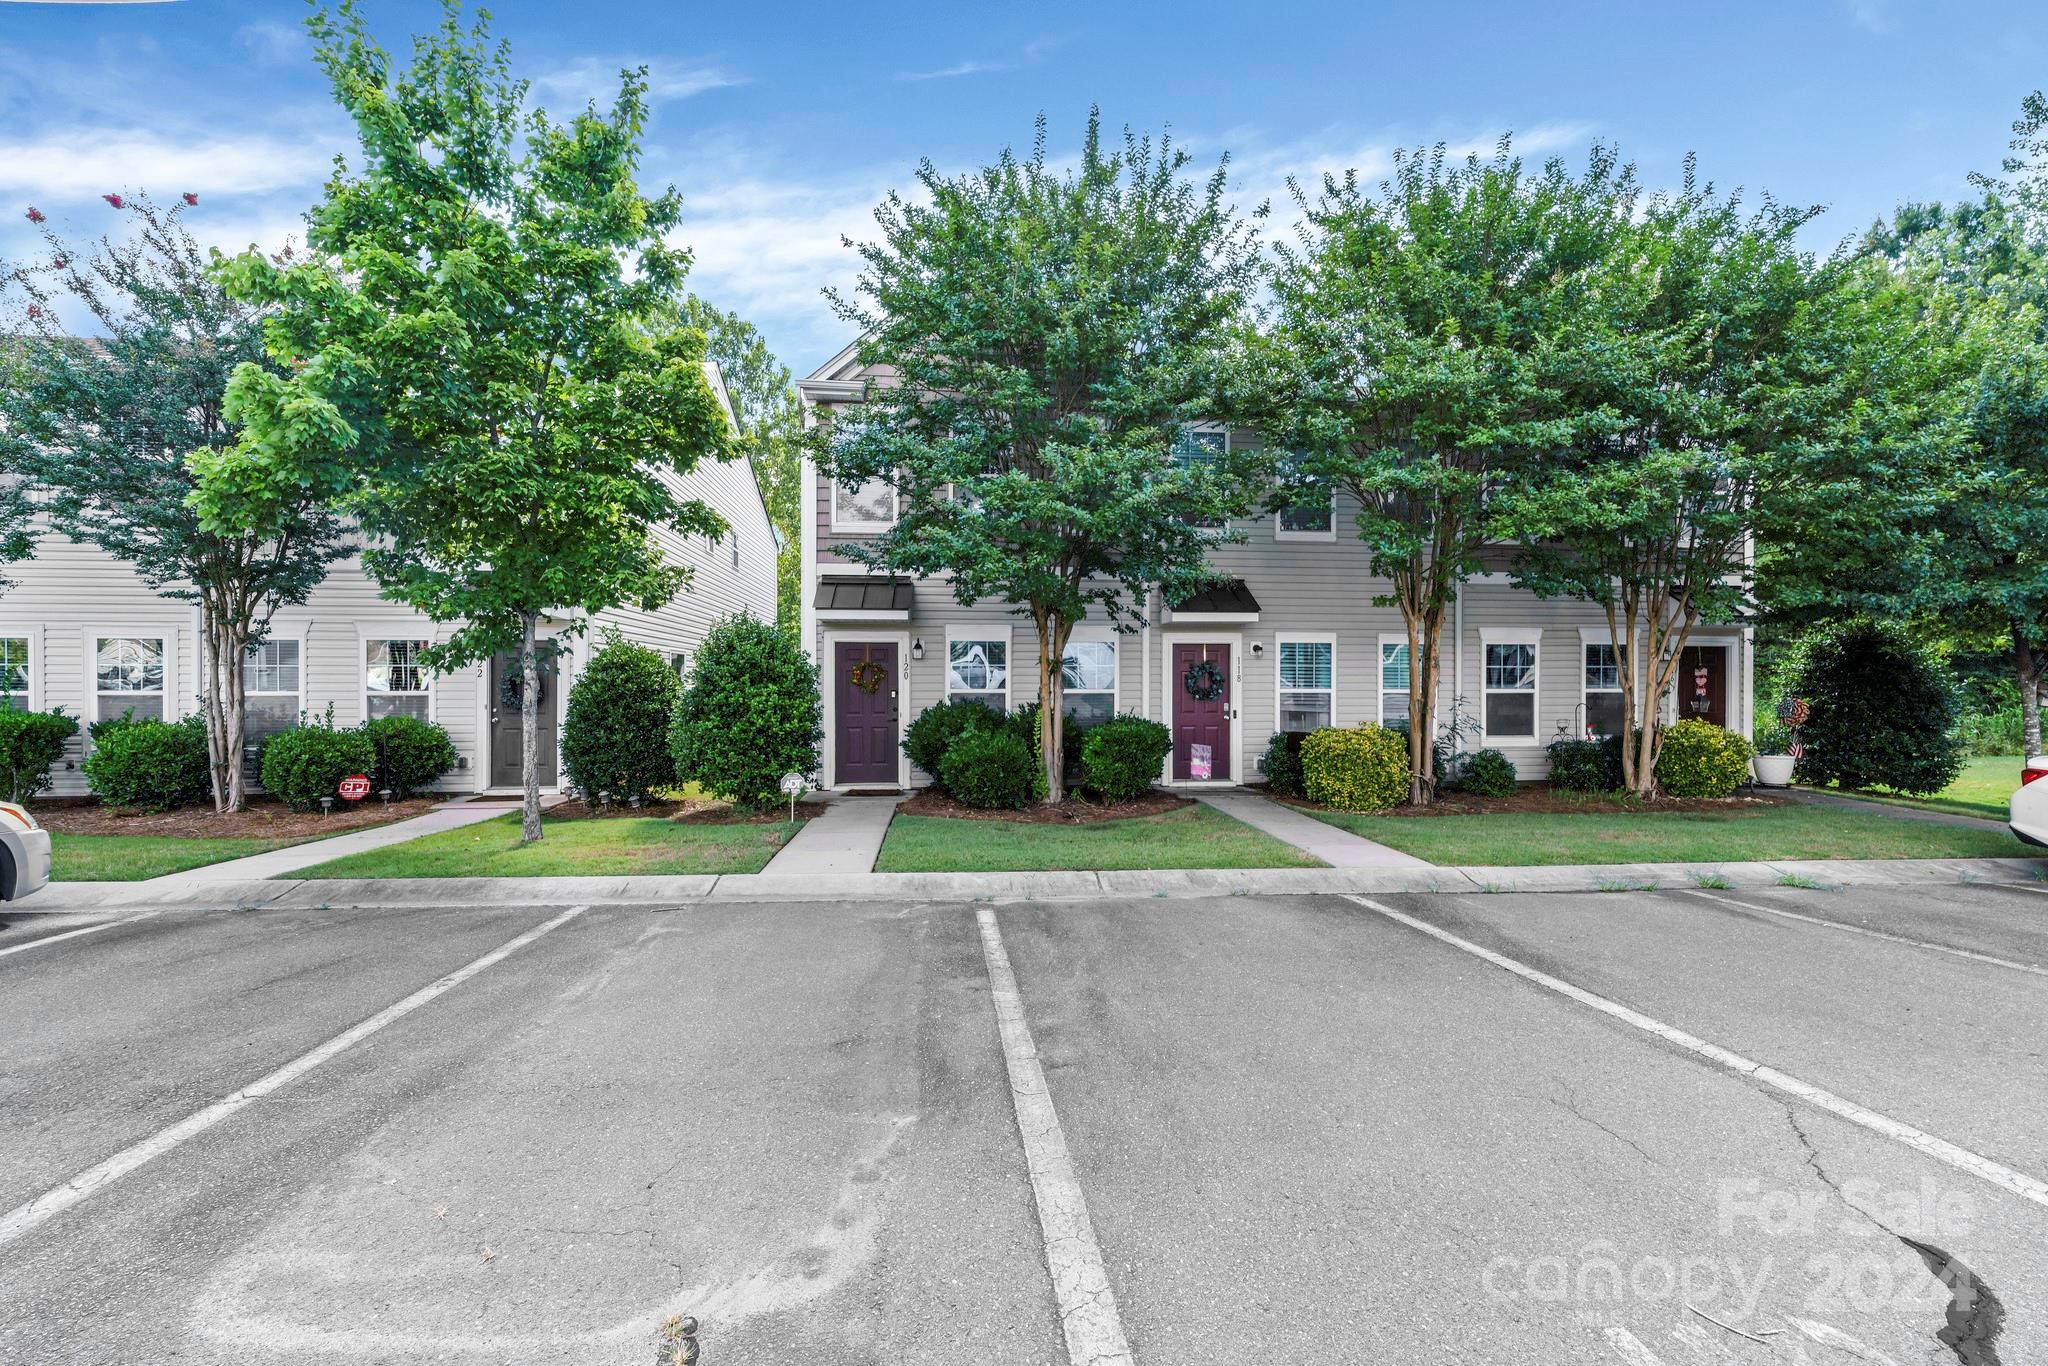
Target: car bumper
31, 850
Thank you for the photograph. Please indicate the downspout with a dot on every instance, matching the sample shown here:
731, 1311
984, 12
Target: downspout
1457, 648
1145, 659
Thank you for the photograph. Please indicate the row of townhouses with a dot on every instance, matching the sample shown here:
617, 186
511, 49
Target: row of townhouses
80, 630
1292, 628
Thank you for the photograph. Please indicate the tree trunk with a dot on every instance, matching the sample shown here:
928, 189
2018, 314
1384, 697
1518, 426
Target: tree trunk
224, 641
1053, 633
1425, 643
529, 732
2030, 690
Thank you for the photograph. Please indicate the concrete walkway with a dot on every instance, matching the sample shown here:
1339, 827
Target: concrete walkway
278, 862
1338, 848
845, 839
1896, 810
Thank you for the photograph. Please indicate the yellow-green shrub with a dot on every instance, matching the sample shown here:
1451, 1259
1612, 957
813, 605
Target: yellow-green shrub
1699, 759
1364, 768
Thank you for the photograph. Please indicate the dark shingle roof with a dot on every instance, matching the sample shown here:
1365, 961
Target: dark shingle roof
862, 593
1229, 597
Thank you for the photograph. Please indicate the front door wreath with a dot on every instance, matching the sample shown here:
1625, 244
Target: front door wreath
1204, 681
868, 676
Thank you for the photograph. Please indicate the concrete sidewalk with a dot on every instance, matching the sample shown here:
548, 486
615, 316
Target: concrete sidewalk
279, 862
1895, 810
845, 839
62, 897
1338, 848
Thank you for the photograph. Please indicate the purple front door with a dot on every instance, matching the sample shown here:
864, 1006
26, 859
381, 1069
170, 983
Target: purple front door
864, 693
1201, 721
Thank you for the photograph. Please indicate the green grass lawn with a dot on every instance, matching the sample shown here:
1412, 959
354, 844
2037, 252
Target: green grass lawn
1763, 833
131, 858
573, 848
1982, 789
1193, 837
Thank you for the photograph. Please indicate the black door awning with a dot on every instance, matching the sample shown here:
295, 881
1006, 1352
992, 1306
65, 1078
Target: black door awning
1229, 599
864, 597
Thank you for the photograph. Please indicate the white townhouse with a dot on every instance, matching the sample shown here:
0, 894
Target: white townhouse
79, 629
1292, 632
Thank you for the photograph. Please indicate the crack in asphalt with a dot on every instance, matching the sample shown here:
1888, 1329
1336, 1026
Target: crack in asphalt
1975, 1315
1571, 1103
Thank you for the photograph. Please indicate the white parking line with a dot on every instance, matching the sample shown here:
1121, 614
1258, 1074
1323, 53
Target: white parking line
54, 1202
1088, 1314
73, 934
1940, 1149
1971, 954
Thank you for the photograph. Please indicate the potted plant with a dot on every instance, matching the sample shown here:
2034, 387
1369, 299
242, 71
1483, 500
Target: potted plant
1773, 765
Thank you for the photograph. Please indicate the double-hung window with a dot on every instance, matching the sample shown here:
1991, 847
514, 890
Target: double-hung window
14, 672
866, 506
128, 675
1307, 690
1088, 681
1606, 704
978, 670
1308, 511
271, 680
1509, 688
1394, 684
1197, 448
395, 682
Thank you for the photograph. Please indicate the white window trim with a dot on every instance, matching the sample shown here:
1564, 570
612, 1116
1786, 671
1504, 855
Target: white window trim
1379, 674
1104, 635
1169, 681
367, 632
1004, 633
852, 528
297, 637
1281, 533
1303, 638
34, 636
173, 694
1228, 446
1531, 636
1586, 641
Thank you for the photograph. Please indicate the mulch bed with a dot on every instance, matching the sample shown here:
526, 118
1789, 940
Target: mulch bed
1073, 811
1542, 798
692, 812
262, 818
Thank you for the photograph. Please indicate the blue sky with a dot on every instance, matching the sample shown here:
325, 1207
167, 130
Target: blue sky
782, 124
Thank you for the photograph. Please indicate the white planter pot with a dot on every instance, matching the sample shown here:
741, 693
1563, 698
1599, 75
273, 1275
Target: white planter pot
1773, 770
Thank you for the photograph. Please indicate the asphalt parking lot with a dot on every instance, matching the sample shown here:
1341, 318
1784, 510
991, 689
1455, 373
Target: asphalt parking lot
1307, 1129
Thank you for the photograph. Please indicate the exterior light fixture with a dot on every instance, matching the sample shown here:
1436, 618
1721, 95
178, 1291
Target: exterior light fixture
917, 647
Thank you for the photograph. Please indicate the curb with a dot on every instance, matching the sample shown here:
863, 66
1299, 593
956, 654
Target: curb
429, 893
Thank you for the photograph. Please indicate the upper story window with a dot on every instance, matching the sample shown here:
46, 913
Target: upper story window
867, 506
395, 682
1196, 447
128, 674
14, 672
1311, 516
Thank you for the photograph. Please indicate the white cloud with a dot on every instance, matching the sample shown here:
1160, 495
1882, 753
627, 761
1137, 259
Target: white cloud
968, 68
77, 162
1873, 16
272, 43
594, 78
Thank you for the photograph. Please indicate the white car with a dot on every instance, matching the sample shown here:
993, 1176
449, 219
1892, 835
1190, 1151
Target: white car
24, 853
2028, 810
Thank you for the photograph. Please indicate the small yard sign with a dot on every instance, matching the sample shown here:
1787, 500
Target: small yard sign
1198, 761
354, 788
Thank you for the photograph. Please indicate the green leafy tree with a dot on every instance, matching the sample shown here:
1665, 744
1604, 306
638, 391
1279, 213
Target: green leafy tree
749, 714
102, 425
1708, 354
1051, 338
1420, 342
771, 421
469, 356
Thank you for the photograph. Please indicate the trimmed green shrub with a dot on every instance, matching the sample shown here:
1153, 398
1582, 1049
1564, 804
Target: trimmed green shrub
615, 732
749, 715
1488, 773
153, 765
991, 769
1884, 714
927, 738
1122, 757
1586, 765
1364, 768
1283, 763
308, 762
411, 754
31, 743
106, 726
1699, 759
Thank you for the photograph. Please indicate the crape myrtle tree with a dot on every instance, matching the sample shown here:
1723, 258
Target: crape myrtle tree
1712, 360
468, 353
1420, 343
771, 421
102, 426
1049, 338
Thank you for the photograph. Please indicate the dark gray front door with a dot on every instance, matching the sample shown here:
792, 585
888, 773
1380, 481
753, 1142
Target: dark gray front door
504, 702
